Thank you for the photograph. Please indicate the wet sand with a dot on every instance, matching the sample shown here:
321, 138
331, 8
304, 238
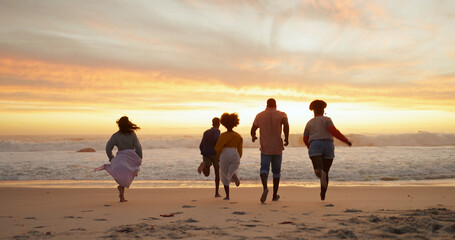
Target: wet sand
363, 212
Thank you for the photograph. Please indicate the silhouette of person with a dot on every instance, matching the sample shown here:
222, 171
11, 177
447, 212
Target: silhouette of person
229, 150
318, 137
270, 123
209, 158
124, 167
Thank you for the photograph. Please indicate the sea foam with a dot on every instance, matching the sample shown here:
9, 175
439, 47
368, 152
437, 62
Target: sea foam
75, 143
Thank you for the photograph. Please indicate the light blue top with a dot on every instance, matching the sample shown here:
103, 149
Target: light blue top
123, 141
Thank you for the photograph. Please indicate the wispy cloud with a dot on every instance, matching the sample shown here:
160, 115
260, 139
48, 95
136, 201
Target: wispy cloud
160, 53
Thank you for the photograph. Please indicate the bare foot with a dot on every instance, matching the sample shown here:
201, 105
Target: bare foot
217, 195
226, 198
264, 195
275, 198
236, 180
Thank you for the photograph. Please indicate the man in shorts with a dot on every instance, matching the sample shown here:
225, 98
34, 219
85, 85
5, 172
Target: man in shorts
270, 123
208, 153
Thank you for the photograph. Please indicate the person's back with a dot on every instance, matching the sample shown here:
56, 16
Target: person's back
269, 123
318, 128
230, 139
208, 142
123, 141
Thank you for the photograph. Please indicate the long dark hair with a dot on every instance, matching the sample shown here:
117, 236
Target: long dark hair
126, 126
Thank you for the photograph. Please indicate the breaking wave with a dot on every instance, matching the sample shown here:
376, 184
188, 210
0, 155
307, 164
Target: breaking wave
74, 143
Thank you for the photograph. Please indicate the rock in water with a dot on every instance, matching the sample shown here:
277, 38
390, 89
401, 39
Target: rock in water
87, 150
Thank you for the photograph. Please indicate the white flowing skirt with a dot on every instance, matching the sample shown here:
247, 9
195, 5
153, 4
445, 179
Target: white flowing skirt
124, 167
229, 164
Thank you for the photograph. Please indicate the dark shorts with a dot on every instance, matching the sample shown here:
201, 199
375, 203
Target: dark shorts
324, 148
209, 160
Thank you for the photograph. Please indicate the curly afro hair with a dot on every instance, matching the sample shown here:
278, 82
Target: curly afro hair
230, 120
318, 106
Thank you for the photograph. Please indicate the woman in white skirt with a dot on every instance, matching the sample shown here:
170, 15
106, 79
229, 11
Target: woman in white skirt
125, 166
229, 149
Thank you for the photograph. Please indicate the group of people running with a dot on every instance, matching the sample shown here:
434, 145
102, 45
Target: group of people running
223, 151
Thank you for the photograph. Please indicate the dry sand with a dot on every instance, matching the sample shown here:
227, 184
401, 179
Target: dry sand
362, 212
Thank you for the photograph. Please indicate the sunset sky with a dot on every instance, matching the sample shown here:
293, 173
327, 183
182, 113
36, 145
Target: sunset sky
75, 67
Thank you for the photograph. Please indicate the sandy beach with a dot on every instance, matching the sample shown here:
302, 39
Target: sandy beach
363, 212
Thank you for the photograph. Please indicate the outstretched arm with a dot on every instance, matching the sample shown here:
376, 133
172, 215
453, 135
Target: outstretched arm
253, 132
336, 133
285, 123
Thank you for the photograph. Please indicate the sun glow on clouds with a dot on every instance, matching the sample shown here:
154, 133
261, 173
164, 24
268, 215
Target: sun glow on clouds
76, 67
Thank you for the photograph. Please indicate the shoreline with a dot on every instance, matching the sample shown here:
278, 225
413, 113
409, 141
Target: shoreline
151, 184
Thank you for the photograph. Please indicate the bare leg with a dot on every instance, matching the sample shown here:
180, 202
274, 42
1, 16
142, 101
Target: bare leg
206, 171
121, 191
276, 184
217, 181
236, 179
318, 165
201, 166
265, 190
327, 163
226, 189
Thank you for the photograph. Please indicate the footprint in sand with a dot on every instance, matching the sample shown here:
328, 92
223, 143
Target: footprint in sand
107, 205
329, 205
353, 210
78, 229
188, 206
190, 220
249, 225
238, 213
255, 220
87, 211
30, 218
100, 219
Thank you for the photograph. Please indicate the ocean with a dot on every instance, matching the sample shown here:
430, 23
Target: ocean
171, 161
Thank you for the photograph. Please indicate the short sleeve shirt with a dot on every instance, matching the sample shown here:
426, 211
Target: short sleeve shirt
318, 128
270, 129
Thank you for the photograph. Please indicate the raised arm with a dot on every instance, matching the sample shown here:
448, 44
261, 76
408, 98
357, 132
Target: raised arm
285, 123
